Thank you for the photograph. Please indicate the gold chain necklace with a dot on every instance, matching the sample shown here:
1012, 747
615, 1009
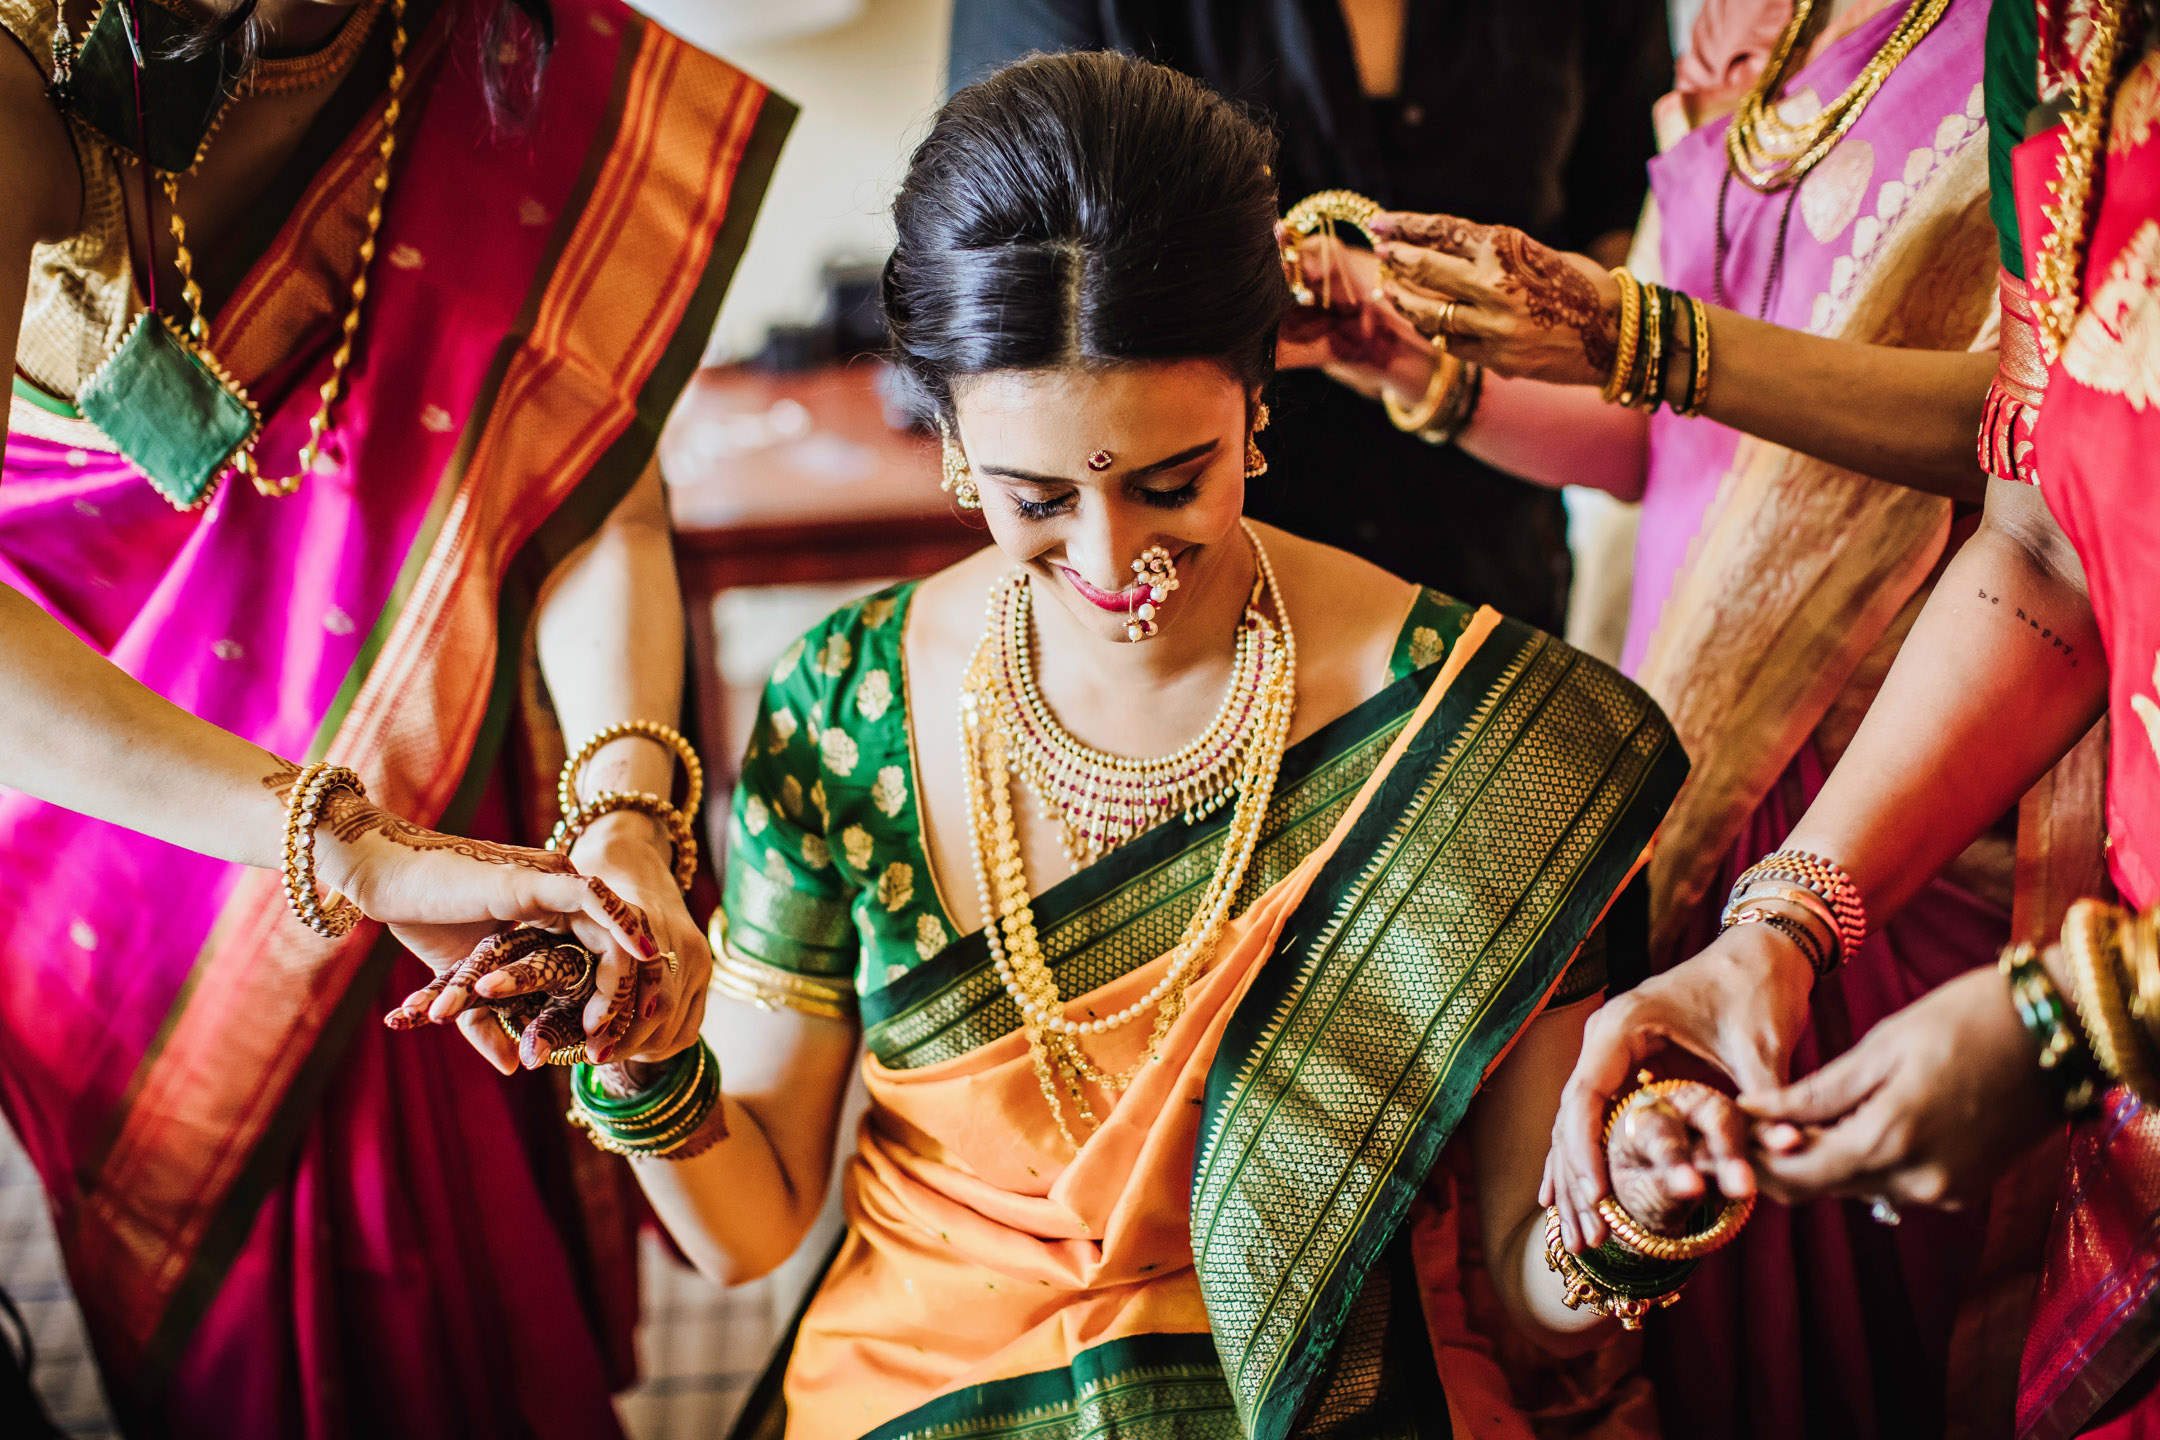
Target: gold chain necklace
1770, 153
1002, 885
1102, 800
2058, 269
191, 292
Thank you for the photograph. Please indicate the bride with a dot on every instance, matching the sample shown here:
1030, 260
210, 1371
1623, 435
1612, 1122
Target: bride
1150, 1148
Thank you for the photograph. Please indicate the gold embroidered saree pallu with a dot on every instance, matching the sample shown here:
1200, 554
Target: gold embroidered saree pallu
1225, 1255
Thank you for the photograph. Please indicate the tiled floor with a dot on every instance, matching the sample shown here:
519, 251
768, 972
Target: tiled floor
30, 1270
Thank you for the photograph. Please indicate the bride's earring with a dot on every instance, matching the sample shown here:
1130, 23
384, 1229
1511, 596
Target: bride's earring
1255, 462
1158, 573
959, 479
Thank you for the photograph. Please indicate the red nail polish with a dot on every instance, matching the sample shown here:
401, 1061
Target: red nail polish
652, 1007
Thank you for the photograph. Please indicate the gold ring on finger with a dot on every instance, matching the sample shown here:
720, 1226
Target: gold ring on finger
1447, 318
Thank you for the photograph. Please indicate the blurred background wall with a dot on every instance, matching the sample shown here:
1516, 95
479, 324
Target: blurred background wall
868, 74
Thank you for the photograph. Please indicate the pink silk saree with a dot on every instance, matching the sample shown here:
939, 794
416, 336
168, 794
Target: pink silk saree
279, 1221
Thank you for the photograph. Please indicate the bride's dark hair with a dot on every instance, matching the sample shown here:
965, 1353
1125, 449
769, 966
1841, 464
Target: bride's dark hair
1085, 209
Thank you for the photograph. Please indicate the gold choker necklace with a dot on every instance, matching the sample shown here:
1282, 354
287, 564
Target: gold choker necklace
998, 707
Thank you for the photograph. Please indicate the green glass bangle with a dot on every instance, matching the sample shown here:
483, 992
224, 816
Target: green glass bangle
2065, 1058
680, 1075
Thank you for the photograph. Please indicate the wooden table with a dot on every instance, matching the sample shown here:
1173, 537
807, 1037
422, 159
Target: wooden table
792, 480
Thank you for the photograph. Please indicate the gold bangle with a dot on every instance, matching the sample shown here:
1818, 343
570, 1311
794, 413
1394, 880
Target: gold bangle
1583, 1290
2139, 935
1653, 351
1630, 323
680, 833
1635, 1236
566, 798
1445, 369
2092, 953
334, 917
1699, 395
768, 987
1630, 1232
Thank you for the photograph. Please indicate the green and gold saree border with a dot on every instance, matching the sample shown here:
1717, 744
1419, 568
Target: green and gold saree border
1129, 907
1436, 932
1146, 1387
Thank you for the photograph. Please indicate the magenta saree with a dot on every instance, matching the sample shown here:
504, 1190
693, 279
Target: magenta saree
278, 1223
1771, 592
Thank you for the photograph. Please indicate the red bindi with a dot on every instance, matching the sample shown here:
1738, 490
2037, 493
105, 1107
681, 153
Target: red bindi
1100, 460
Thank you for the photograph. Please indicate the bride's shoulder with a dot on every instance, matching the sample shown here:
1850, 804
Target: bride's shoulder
1336, 599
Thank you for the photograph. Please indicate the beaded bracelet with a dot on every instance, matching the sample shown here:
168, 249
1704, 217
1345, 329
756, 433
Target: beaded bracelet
680, 832
1826, 879
566, 797
2065, 1058
335, 917
2093, 957
1819, 956
1611, 1281
660, 1122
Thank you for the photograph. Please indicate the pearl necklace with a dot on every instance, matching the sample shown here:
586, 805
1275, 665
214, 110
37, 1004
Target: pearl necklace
988, 746
1102, 800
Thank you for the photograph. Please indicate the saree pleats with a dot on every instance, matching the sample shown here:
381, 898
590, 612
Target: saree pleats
533, 311
1433, 862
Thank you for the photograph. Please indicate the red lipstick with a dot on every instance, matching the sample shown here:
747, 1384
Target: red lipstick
1120, 601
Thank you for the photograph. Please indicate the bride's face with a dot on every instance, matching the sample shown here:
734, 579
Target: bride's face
1081, 470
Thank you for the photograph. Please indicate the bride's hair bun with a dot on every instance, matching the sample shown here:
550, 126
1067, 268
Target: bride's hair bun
1081, 209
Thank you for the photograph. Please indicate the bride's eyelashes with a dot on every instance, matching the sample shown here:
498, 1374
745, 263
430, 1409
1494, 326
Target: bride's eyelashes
1171, 499
1041, 509
1161, 499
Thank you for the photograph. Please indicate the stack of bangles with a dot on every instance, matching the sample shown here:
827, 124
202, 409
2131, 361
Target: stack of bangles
1836, 924
579, 814
667, 1120
1637, 1270
2107, 1030
334, 917
1664, 349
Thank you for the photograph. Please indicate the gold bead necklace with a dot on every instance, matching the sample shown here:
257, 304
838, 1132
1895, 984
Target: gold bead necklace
1769, 152
988, 743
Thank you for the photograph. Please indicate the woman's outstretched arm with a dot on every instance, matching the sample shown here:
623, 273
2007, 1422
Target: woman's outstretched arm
2001, 675
77, 731
1526, 310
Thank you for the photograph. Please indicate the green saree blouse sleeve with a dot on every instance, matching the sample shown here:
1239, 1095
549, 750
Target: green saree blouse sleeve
786, 906
827, 879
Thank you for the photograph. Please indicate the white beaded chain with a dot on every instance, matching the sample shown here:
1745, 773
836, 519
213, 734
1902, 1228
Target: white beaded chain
1009, 921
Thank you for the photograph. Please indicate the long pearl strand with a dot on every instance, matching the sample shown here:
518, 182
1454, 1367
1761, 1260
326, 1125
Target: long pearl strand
1009, 922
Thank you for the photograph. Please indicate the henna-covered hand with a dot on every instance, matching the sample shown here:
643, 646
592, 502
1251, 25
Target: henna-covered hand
1519, 308
1349, 331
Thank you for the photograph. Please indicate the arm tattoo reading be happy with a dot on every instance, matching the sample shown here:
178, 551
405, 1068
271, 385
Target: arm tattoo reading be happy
2032, 622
